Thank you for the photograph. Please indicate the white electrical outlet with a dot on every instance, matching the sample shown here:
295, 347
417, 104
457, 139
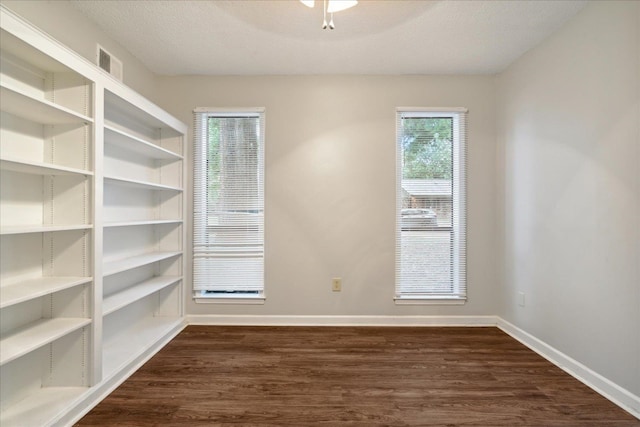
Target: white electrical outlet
336, 284
521, 299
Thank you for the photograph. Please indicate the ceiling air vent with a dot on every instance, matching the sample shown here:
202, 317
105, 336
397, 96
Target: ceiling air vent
109, 63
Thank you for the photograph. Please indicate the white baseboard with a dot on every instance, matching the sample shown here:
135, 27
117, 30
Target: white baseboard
607, 388
247, 320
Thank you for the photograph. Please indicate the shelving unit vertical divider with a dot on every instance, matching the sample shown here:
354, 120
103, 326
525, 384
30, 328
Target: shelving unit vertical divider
95, 374
185, 215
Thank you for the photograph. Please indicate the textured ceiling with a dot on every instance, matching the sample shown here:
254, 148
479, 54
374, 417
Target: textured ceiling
285, 37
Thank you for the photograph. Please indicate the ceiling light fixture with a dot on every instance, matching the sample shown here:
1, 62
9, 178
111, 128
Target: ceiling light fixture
330, 6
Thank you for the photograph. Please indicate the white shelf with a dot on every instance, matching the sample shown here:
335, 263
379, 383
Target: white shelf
42, 407
27, 53
142, 185
35, 335
159, 120
142, 222
34, 288
130, 263
136, 292
39, 168
25, 229
19, 103
134, 144
123, 349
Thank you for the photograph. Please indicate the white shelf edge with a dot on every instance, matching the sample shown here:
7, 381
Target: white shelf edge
129, 263
14, 48
118, 300
39, 168
42, 407
35, 335
25, 229
123, 100
41, 42
134, 183
34, 288
138, 145
119, 351
16, 101
141, 222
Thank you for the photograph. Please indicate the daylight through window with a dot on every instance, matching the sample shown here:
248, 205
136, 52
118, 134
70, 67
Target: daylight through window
228, 235
431, 214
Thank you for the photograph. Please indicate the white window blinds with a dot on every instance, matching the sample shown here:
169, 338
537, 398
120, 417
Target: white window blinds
228, 231
431, 211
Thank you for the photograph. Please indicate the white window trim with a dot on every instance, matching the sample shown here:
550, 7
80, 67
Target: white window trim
232, 299
428, 300
258, 299
437, 299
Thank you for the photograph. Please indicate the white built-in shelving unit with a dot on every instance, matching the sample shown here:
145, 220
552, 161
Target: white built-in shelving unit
143, 238
92, 229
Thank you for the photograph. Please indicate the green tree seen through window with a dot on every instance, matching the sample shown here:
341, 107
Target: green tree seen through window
427, 148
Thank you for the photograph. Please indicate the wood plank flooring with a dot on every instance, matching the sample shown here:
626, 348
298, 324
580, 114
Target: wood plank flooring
351, 376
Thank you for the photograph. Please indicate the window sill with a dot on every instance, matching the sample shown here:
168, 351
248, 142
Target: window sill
235, 299
430, 301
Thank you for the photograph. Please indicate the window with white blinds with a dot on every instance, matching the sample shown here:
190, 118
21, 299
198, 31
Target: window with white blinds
228, 230
431, 209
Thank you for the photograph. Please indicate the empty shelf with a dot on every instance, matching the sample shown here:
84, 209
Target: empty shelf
34, 288
136, 292
37, 228
132, 262
138, 145
35, 335
127, 346
37, 110
142, 222
39, 168
41, 407
143, 185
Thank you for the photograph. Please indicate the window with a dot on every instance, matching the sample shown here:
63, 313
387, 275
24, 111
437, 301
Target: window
430, 217
228, 230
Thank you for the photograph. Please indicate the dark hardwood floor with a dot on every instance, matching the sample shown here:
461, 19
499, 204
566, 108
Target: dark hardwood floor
351, 376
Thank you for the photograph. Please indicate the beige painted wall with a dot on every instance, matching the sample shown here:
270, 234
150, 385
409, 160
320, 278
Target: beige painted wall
330, 174
63, 22
569, 139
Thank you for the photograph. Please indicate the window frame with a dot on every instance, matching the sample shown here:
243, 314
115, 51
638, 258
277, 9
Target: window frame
458, 296
200, 296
